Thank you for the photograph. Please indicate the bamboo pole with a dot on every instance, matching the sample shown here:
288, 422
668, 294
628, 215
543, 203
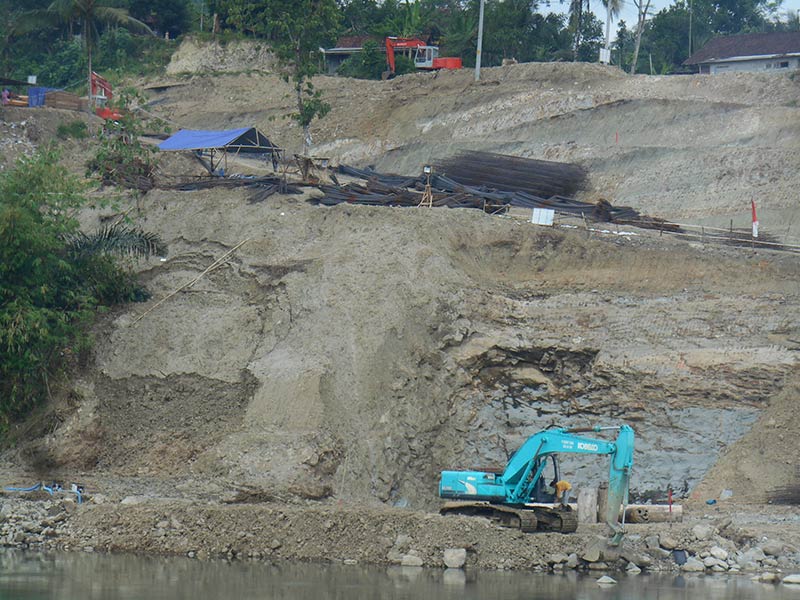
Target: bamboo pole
211, 267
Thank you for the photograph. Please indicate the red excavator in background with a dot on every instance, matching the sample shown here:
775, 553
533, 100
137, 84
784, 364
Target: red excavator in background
425, 57
101, 94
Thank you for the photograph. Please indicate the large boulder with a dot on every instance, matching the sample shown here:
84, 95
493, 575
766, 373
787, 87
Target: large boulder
772, 548
702, 531
692, 565
454, 558
667, 541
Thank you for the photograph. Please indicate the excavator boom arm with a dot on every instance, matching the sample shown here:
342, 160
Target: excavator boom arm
396, 42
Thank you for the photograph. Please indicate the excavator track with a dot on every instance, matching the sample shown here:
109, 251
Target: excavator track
563, 520
506, 516
527, 520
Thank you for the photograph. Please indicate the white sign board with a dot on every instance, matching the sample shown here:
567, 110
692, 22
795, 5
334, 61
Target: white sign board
542, 216
31, 79
605, 55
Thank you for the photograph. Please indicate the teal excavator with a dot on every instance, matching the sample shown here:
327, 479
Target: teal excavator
520, 495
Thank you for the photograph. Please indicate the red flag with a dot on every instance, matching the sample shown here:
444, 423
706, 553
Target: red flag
755, 218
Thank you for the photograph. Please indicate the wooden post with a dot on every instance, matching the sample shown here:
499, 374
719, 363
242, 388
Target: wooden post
602, 501
587, 505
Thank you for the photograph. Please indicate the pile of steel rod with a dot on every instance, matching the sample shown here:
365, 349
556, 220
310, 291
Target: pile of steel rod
788, 494
540, 178
263, 187
381, 189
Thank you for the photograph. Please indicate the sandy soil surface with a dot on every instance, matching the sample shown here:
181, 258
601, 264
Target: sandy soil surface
301, 399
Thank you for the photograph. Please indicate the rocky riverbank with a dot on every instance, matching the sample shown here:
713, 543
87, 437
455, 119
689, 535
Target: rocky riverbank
756, 544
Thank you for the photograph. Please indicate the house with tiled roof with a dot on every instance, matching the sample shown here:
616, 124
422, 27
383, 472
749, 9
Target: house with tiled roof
761, 52
345, 48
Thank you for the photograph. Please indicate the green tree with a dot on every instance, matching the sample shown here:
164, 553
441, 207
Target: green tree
412, 20
163, 16
507, 27
121, 157
726, 17
297, 29
792, 22
360, 17
370, 63
591, 38
50, 284
460, 34
92, 15
667, 38
622, 47
577, 9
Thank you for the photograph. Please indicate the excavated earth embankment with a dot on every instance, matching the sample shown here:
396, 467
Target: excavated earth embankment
319, 378
688, 148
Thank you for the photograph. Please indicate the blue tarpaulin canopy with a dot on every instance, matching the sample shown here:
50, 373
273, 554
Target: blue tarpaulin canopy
246, 139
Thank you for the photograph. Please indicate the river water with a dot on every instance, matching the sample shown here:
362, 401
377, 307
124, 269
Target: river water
36, 576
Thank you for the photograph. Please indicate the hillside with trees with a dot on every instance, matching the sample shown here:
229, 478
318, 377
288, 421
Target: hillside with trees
55, 49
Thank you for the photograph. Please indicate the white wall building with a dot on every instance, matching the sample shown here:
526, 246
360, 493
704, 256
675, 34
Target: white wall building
754, 52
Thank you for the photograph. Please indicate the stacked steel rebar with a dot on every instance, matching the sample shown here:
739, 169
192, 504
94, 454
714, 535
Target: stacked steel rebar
789, 494
540, 178
263, 187
381, 189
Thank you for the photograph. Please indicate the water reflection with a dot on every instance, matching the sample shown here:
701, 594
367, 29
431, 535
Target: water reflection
34, 576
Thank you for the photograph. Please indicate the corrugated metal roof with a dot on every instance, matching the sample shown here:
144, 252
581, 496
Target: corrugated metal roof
244, 139
747, 45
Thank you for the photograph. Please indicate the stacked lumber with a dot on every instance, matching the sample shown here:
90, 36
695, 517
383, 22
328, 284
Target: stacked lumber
64, 100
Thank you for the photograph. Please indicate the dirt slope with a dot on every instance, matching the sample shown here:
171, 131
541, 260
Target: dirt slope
763, 459
354, 352
351, 353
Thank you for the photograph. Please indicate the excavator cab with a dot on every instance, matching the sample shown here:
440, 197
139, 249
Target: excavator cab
544, 490
425, 56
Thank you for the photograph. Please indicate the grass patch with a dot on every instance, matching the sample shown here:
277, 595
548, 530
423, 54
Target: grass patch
76, 130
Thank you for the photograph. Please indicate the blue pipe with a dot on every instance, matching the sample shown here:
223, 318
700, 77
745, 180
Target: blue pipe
49, 489
33, 488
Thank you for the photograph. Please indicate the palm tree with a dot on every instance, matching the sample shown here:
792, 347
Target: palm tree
411, 20
91, 15
613, 8
642, 6
577, 8
118, 238
460, 34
